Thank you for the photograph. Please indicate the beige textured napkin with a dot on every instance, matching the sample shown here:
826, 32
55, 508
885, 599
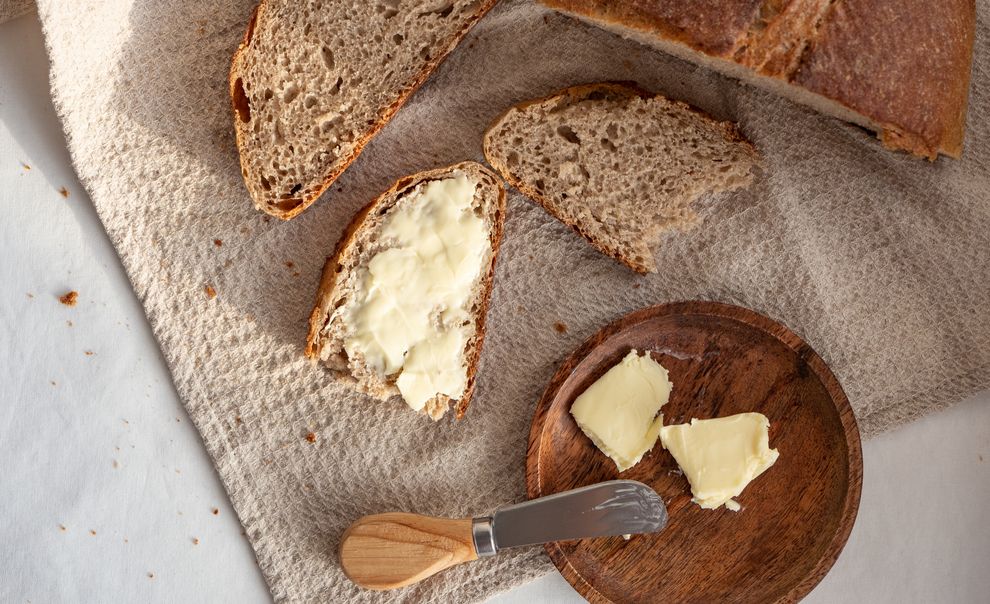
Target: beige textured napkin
879, 260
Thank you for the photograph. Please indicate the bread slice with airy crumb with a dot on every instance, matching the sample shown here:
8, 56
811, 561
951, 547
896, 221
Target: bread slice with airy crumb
618, 164
314, 81
361, 242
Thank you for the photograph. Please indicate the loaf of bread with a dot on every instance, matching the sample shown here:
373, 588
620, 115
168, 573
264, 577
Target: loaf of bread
313, 82
900, 68
618, 164
344, 292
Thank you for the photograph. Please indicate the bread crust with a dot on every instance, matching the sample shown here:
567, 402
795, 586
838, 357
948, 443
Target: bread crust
385, 116
575, 94
333, 268
903, 66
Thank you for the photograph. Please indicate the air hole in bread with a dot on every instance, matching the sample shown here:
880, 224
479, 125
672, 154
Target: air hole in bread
336, 86
539, 184
265, 184
327, 56
310, 101
295, 189
424, 53
568, 134
287, 205
241, 103
512, 158
397, 38
608, 145
442, 11
290, 93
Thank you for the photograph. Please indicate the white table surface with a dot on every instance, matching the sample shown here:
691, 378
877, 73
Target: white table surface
106, 492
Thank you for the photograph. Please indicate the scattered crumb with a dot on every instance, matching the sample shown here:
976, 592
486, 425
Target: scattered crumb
981, 457
296, 274
244, 230
64, 192
126, 423
520, 308
238, 420
177, 420
70, 298
228, 263
151, 575
69, 323
210, 292
53, 383
92, 532
115, 464
216, 511
125, 540
560, 327
30, 295
637, 285
88, 353
62, 528
25, 166
116, 448
289, 264
311, 437
217, 242
267, 218
195, 541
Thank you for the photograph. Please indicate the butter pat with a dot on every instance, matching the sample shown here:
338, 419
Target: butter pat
619, 412
410, 316
720, 457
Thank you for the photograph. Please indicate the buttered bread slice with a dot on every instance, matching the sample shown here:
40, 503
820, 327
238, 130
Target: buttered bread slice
402, 302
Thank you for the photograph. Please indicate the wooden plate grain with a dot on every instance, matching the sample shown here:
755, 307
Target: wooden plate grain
796, 517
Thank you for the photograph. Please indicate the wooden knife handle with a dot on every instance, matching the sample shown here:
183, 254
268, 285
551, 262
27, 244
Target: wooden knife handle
387, 551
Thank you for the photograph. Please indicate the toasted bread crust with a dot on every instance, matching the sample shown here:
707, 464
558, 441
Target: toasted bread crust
333, 267
429, 66
575, 94
904, 67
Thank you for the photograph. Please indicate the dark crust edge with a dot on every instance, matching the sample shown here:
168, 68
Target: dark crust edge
893, 136
383, 118
332, 268
576, 94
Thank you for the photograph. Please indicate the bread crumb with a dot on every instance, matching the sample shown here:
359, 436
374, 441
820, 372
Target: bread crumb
30, 295
92, 532
217, 242
53, 382
560, 327
216, 511
195, 541
62, 528
70, 298
289, 263
311, 437
25, 166
125, 540
64, 192
637, 285
115, 464
238, 420
151, 575
88, 353
296, 274
210, 292
69, 323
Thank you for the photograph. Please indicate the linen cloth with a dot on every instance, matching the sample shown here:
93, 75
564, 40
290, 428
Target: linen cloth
879, 260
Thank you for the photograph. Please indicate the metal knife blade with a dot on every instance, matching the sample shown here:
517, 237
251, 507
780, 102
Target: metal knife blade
616, 507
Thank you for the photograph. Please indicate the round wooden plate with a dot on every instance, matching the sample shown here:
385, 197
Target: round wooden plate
796, 517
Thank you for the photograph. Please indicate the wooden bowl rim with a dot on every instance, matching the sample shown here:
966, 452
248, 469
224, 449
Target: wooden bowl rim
854, 468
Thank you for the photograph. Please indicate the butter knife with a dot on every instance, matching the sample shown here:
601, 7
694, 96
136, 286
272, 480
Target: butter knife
387, 551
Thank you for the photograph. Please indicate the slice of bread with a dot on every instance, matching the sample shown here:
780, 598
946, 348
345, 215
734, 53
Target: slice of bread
901, 69
362, 241
313, 82
618, 164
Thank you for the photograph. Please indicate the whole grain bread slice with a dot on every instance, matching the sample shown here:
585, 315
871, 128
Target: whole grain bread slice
313, 81
618, 164
359, 244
